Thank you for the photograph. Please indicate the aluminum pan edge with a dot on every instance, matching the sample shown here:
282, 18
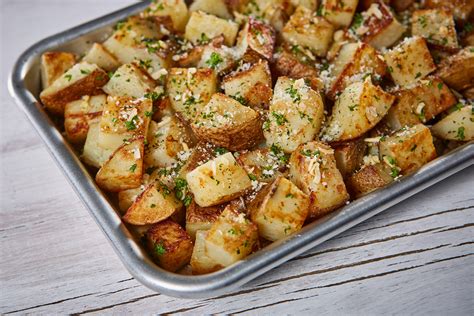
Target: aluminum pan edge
205, 286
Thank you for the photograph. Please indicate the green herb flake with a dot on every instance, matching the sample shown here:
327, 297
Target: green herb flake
160, 249
68, 77
85, 72
252, 177
214, 60
280, 118
133, 167
460, 134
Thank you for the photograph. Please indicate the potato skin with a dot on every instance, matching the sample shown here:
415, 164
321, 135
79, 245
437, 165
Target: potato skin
169, 244
349, 155
458, 70
369, 178
201, 218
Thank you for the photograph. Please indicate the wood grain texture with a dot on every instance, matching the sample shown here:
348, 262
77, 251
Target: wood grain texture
415, 258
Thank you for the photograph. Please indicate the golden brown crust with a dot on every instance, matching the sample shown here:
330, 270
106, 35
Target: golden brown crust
170, 245
458, 70
368, 179
54, 64
349, 155
90, 85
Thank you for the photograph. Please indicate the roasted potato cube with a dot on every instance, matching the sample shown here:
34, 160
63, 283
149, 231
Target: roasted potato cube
54, 65
377, 26
308, 30
313, 169
242, 125
220, 58
257, 38
93, 154
273, 12
217, 181
129, 81
201, 153
408, 149
369, 178
124, 169
339, 12
100, 56
409, 61
279, 209
263, 164
81, 79
457, 71
251, 86
349, 156
156, 203
231, 238
420, 103
201, 218
169, 244
138, 40
175, 9
189, 89
357, 110
287, 65
215, 7
295, 115
201, 263
461, 9
458, 125
354, 62
436, 26
123, 118
211, 26
79, 114
166, 140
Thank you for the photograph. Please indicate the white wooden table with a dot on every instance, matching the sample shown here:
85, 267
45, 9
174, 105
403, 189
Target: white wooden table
416, 258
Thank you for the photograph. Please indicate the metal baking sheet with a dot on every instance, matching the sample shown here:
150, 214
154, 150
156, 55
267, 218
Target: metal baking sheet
24, 86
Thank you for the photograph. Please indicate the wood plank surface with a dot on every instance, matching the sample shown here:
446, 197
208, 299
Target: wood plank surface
415, 258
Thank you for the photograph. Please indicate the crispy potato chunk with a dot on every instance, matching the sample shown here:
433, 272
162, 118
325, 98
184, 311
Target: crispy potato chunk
458, 125
241, 124
169, 244
252, 86
129, 81
231, 238
189, 89
408, 149
354, 62
369, 178
100, 56
461, 9
349, 156
81, 79
54, 65
279, 209
308, 30
313, 169
409, 61
436, 26
215, 7
123, 118
138, 40
338, 12
201, 263
257, 38
93, 154
124, 169
458, 70
378, 26
211, 26
165, 140
263, 164
217, 181
295, 115
359, 108
201, 153
79, 114
420, 103
175, 9
201, 218
156, 203
273, 12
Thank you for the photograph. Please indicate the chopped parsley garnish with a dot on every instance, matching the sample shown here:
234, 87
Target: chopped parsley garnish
160, 249
357, 22
295, 96
110, 74
468, 27
204, 39
153, 95
145, 63
148, 113
280, 118
68, 77
418, 75
309, 153
460, 135
289, 195
239, 99
422, 21
353, 107
214, 60
394, 172
85, 72
153, 205
252, 177
152, 45
133, 167
130, 125
220, 150
440, 86
119, 25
